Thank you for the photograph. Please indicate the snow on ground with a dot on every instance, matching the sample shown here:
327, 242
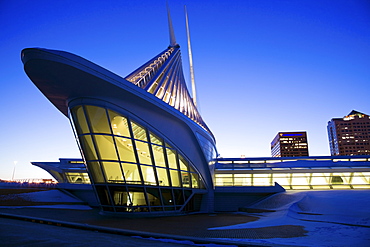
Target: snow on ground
58, 198
49, 196
332, 218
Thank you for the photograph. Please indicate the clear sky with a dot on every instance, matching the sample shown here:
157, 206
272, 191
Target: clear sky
260, 66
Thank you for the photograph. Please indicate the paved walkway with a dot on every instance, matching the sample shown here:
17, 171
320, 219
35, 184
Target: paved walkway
191, 227
15, 233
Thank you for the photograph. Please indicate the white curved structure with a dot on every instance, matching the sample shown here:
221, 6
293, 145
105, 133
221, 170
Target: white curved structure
145, 145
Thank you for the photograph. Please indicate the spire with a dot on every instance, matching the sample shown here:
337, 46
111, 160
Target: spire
190, 60
172, 33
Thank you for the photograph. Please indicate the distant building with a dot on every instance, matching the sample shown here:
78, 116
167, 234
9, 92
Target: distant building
350, 135
289, 144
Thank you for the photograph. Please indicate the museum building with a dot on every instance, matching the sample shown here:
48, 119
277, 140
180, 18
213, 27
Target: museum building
145, 148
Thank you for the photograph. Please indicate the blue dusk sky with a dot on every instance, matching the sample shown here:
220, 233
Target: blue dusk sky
260, 66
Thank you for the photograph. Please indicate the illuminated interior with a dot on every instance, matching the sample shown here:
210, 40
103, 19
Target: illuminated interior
296, 174
77, 177
133, 169
298, 181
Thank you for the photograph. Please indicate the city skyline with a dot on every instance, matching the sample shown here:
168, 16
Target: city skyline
260, 68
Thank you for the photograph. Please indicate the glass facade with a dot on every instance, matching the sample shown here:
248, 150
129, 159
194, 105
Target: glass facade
298, 181
296, 173
132, 168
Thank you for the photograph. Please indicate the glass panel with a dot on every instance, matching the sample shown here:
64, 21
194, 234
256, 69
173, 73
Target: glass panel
360, 178
120, 197
336, 179
88, 148
281, 178
345, 176
125, 149
79, 116
154, 198
119, 124
195, 180
242, 180
162, 177
106, 147
158, 155
167, 197
143, 152
138, 131
175, 178
98, 119
113, 172
131, 173
95, 172
223, 175
183, 163
148, 175
261, 179
154, 139
171, 157
223, 181
77, 178
179, 197
138, 198
185, 178
301, 179
318, 181
103, 195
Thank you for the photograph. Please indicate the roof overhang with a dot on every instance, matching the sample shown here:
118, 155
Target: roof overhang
62, 77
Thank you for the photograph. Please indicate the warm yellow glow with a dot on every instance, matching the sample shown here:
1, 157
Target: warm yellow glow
297, 181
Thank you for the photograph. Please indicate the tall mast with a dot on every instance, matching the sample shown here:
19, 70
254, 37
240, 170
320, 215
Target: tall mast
190, 60
170, 27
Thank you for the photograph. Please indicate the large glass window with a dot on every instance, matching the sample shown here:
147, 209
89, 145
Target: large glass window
80, 120
154, 198
131, 172
106, 147
98, 119
95, 171
142, 149
175, 178
119, 124
163, 177
242, 179
158, 156
121, 198
113, 172
148, 175
120, 153
125, 149
261, 179
171, 157
138, 199
138, 131
88, 147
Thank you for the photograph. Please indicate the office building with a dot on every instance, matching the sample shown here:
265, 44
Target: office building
289, 144
350, 135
